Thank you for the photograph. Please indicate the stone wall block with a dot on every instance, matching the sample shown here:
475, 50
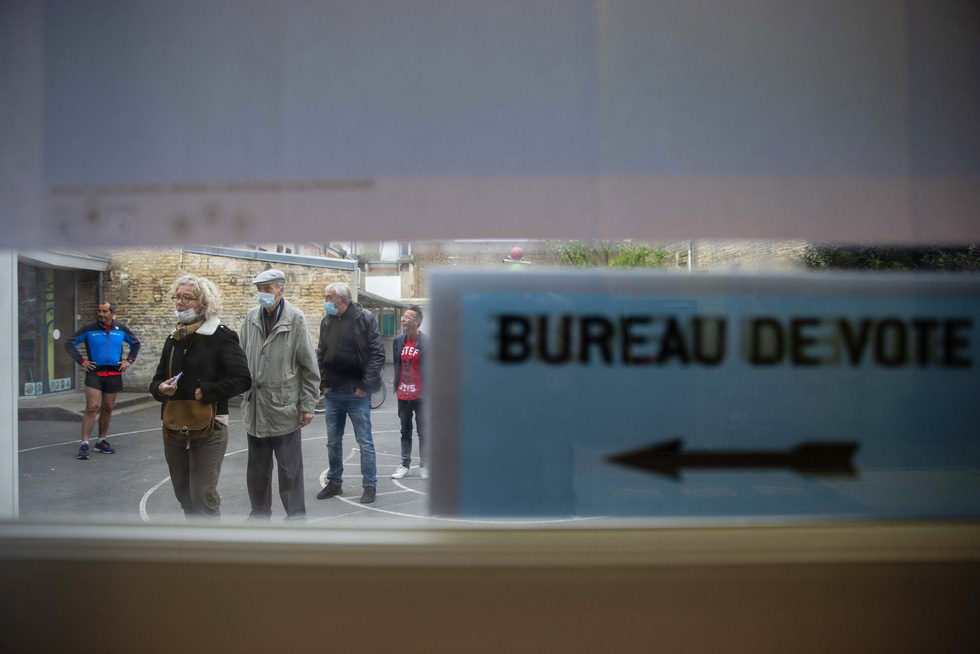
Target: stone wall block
140, 283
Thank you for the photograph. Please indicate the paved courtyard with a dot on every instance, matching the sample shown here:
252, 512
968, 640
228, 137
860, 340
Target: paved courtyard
134, 484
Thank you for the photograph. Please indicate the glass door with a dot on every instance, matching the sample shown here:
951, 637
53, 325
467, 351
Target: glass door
46, 313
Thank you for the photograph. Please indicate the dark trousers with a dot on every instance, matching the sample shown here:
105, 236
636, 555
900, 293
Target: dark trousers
258, 475
405, 410
194, 471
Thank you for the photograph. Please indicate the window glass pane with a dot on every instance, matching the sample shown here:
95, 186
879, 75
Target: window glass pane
542, 406
456, 128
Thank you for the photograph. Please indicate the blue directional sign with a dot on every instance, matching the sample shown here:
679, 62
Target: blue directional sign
662, 395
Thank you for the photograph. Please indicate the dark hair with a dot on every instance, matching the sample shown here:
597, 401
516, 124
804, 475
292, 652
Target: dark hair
418, 311
112, 306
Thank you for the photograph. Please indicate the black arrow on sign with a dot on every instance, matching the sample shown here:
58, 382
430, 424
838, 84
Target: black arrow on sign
812, 458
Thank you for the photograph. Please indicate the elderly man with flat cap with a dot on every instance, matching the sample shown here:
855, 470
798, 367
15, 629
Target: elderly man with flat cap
285, 388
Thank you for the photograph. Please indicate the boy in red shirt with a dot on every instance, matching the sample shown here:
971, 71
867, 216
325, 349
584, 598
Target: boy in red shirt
407, 351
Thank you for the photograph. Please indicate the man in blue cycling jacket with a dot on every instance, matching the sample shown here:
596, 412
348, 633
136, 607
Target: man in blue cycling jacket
104, 366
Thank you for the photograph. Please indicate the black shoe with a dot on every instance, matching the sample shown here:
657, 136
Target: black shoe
369, 493
330, 490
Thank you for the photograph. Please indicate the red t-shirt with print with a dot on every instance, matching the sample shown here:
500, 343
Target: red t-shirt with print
410, 384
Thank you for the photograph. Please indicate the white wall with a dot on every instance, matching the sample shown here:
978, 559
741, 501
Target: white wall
389, 286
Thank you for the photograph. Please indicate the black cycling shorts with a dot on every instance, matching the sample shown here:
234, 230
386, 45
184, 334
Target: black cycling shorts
106, 383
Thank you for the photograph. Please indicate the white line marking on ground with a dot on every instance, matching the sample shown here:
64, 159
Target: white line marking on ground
394, 492
383, 431
368, 507
113, 436
411, 490
323, 475
332, 517
79, 440
146, 496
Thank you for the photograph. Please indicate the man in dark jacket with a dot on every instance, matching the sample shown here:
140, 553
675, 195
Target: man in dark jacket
407, 352
350, 354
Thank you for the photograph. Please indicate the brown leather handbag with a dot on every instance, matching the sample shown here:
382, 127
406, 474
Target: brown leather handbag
189, 419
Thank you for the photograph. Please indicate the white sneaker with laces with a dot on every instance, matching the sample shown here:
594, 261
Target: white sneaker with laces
425, 473
402, 472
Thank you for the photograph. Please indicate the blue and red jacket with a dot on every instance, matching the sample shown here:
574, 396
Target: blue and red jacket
104, 345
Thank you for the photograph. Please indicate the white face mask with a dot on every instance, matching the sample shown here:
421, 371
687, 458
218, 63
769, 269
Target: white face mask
267, 300
186, 316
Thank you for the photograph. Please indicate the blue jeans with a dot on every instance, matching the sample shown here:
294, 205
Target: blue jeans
337, 407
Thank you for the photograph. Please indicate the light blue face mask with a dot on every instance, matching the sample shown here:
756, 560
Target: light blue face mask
267, 300
330, 308
186, 316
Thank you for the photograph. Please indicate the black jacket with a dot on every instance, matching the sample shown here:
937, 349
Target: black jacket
212, 361
367, 344
396, 354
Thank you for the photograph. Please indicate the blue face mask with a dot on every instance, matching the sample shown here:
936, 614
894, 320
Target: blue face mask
330, 308
267, 300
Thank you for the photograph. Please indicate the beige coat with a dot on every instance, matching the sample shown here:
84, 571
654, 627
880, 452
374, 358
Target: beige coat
285, 373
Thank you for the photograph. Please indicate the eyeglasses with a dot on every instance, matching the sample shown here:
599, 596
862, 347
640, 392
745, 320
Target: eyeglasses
183, 298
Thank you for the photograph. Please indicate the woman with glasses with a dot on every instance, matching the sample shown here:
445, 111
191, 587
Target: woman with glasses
201, 361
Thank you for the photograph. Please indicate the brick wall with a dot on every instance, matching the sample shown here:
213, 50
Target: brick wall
139, 282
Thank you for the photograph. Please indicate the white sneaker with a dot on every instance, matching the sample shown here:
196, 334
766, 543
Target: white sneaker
425, 473
402, 472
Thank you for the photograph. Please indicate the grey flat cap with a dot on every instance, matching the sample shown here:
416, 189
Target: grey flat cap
268, 276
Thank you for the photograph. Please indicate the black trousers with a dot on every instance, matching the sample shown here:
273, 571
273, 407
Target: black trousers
258, 476
405, 410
